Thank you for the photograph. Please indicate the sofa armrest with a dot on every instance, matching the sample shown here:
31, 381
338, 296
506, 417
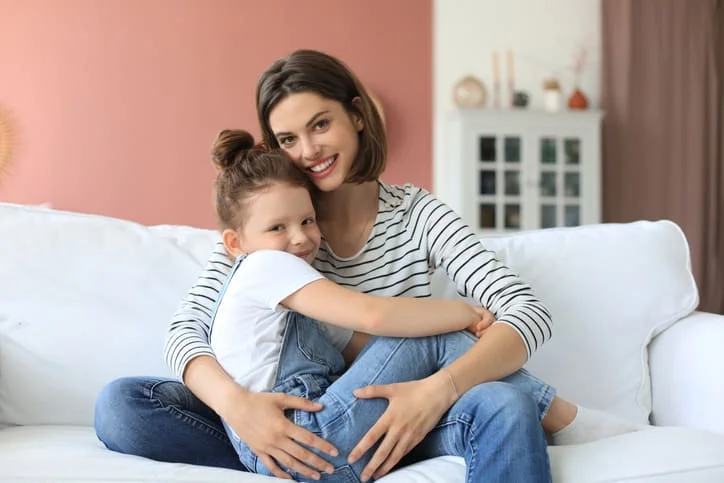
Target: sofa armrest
687, 362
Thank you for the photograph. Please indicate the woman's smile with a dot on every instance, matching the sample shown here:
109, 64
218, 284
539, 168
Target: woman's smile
322, 168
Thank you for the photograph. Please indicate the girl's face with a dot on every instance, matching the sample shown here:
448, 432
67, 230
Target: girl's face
319, 134
280, 217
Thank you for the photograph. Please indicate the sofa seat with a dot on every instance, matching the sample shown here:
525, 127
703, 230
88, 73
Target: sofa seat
656, 455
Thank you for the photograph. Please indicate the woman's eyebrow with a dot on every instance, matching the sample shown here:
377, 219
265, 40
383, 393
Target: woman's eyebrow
314, 117
309, 123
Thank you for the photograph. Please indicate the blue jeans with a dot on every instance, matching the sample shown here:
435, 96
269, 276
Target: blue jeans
162, 420
494, 426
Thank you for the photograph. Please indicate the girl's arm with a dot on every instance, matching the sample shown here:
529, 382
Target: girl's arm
328, 302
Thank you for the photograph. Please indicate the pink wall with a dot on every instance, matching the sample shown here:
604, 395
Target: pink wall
117, 102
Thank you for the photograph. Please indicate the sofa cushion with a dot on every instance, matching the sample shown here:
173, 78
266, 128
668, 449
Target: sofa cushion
610, 289
84, 299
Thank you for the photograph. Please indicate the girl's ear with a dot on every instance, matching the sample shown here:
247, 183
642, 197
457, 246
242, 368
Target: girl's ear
232, 242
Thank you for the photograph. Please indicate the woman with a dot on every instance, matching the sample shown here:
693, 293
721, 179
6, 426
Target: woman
378, 239
266, 330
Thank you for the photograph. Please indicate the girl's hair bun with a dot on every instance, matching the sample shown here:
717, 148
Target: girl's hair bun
230, 146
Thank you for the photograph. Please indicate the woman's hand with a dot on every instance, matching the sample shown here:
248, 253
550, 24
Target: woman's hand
258, 419
414, 409
486, 320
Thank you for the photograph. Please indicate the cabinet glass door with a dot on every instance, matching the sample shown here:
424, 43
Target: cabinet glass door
499, 182
558, 160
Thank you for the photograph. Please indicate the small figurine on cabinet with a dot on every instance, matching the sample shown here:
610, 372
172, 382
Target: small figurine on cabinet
552, 95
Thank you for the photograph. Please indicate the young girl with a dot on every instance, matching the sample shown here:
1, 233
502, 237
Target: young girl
378, 239
264, 332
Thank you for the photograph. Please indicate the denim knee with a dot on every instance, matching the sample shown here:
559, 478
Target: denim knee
505, 407
515, 405
120, 389
123, 407
161, 419
116, 403
495, 427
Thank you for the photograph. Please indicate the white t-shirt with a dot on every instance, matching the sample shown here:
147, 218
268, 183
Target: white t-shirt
247, 329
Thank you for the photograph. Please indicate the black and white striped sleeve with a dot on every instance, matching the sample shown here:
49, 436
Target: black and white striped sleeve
188, 332
478, 274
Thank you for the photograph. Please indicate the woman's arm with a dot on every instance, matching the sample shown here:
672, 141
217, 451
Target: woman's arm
523, 325
258, 419
478, 274
328, 302
523, 322
188, 332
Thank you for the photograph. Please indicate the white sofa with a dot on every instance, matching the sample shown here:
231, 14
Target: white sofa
85, 299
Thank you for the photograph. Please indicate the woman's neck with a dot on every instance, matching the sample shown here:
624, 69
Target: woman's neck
347, 215
349, 204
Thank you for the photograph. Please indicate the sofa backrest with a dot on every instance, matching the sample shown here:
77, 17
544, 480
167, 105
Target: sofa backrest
85, 299
610, 288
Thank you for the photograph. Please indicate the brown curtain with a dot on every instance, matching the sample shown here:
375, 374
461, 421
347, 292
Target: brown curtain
663, 134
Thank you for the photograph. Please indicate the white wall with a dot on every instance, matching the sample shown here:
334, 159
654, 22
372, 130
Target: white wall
543, 35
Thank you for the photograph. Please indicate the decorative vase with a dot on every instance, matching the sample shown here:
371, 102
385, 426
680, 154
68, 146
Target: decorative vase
470, 92
578, 100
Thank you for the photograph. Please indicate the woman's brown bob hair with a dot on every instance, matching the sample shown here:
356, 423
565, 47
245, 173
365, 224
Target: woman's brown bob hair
313, 71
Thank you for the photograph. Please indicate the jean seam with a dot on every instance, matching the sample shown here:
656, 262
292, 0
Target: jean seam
473, 450
470, 427
545, 401
546, 395
198, 424
342, 411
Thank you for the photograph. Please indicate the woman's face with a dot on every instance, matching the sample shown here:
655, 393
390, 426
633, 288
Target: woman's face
319, 134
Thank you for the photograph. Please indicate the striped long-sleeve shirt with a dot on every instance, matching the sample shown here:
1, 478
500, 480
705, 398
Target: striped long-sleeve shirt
414, 235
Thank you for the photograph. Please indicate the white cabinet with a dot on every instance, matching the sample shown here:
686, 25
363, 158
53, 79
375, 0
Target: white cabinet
508, 170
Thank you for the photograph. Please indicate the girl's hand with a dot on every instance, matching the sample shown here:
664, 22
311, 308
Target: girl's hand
486, 320
258, 419
414, 409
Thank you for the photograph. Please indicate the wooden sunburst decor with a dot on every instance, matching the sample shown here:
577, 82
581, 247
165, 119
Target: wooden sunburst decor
6, 140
